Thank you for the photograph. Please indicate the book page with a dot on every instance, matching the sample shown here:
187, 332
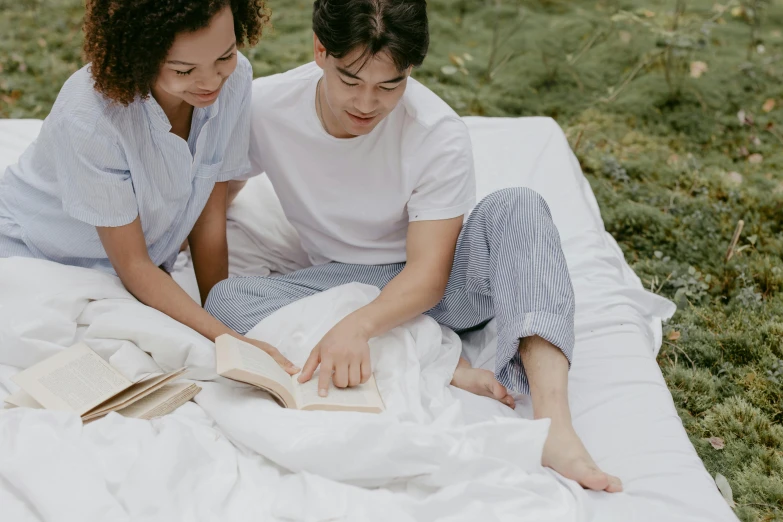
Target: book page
22, 399
136, 392
76, 379
233, 354
164, 400
364, 397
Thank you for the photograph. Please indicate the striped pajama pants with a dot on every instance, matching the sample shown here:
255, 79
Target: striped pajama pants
508, 265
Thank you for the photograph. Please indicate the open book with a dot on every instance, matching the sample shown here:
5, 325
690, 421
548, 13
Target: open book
81, 381
244, 362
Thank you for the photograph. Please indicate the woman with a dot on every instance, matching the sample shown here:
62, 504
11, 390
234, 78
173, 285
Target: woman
137, 152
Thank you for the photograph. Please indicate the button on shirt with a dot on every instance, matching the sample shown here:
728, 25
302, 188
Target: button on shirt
97, 163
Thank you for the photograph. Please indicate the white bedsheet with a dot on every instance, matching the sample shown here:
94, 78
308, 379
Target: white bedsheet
421, 457
622, 409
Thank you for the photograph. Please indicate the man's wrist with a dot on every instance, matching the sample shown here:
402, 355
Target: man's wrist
362, 322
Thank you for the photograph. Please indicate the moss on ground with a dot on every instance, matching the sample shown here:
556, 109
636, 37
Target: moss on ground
675, 110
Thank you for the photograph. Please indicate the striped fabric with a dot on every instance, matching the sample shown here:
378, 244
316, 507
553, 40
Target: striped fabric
508, 265
97, 163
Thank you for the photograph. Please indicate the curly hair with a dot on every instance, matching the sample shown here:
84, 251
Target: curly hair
127, 41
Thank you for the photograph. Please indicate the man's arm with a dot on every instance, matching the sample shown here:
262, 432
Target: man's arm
127, 251
416, 289
421, 284
208, 245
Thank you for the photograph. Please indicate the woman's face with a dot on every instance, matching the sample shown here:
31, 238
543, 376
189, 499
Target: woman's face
198, 64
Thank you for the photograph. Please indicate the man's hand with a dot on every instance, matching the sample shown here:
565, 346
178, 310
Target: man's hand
345, 352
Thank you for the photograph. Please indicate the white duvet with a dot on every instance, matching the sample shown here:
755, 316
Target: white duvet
237, 455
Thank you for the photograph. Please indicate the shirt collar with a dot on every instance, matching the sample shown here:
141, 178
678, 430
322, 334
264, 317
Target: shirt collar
155, 113
159, 119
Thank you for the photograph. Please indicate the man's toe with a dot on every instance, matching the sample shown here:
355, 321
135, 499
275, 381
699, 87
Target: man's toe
615, 485
595, 479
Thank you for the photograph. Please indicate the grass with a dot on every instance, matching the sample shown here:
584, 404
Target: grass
675, 161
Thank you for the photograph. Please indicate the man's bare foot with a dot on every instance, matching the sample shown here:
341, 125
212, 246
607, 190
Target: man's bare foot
565, 453
480, 382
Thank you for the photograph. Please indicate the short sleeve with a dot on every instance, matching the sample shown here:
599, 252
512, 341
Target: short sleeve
93, 176
442, 164
236, 163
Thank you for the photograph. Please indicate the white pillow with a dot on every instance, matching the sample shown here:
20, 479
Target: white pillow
260, 238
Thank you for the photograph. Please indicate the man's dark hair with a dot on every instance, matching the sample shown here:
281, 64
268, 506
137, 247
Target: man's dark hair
398, 27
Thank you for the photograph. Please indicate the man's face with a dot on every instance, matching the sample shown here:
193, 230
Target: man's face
357, 95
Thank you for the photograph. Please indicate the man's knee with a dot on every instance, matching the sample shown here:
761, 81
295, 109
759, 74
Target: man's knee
221, 296
521, 202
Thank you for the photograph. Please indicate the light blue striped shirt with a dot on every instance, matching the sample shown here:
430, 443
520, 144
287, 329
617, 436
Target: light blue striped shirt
98, 163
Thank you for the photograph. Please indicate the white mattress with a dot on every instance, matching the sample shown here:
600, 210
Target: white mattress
621, 406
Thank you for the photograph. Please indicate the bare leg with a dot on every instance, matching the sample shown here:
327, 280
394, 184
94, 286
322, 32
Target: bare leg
547, 373
480, 382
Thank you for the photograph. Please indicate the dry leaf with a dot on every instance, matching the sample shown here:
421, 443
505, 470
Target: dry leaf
648, 13
448, 70
41, 43
755, 158
717, 443
768, 105
698, 68
11, 98
777, 33
734, 177
736, 12
741, 117
673, 336
725, 489
467, 57
456, 60
625, 36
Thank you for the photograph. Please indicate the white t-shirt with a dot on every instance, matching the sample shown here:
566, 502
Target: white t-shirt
351, 199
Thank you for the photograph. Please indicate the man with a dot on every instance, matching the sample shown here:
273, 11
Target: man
375, 172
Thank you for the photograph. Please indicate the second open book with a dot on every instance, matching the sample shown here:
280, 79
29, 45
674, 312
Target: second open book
80, 381
244, 362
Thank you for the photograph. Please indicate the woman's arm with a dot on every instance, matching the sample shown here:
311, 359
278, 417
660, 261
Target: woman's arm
127, 251
208, 246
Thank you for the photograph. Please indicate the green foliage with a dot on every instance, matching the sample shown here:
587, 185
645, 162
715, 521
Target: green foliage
676, 154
